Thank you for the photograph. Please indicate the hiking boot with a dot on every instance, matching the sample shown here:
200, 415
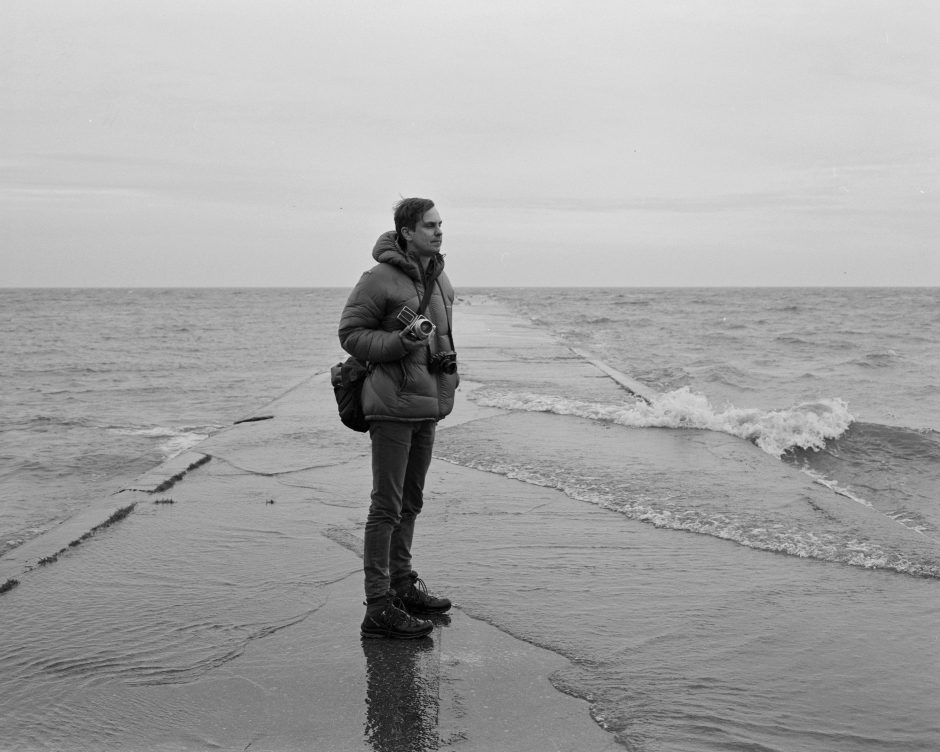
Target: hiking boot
414, 597
393, 623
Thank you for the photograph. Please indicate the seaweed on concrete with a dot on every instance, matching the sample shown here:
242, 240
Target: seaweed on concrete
117, 516
173, 480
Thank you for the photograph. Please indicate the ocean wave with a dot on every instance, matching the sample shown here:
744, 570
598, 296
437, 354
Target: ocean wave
592, 320
836, 487
792, 339
181, 443
176, 440
806, 426
744, 527
730, 375
877, 359
892, 469
45, 422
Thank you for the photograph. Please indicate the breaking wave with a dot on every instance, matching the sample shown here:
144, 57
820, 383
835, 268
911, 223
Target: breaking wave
175, 441
804, 426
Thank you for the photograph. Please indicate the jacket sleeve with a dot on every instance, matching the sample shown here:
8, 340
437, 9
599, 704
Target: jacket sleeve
361, 331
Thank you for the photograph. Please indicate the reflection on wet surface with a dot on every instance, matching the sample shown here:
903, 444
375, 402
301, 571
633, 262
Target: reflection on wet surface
402, 694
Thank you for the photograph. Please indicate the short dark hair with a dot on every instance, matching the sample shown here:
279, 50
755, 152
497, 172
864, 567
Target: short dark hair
408, 212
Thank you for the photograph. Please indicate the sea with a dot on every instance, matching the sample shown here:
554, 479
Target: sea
840, 383
837, 384
101, 385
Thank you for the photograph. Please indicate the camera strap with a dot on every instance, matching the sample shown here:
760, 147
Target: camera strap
450, 324
431, 279
428, 289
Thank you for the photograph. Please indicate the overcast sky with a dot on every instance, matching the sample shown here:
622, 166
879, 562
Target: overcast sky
721, 142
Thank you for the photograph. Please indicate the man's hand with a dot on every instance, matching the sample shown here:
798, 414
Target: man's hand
410, 344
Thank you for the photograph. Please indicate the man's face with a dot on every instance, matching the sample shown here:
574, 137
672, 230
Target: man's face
426, 238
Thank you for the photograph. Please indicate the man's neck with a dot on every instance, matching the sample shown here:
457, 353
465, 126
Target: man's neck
423, 260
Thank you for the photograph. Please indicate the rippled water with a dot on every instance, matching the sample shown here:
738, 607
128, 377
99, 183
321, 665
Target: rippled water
876, 349
680, 638
802, 373
102, 385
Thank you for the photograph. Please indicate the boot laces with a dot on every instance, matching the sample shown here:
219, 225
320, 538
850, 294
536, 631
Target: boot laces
416, 589
396, 614
418, 584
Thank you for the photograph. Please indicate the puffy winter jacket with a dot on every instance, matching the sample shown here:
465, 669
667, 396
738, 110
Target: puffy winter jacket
399, 385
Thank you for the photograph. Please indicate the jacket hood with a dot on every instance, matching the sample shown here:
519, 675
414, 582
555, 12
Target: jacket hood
386, 251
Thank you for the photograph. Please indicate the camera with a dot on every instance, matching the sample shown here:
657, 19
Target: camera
417, 328
443, 362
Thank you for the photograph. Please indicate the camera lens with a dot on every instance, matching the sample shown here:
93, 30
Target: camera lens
424, 328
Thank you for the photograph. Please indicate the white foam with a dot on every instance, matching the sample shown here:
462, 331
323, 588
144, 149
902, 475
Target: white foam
177, 440
835, 487
774, 535
804, 426
180, 443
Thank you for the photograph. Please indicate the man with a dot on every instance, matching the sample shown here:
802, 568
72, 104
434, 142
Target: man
411, 384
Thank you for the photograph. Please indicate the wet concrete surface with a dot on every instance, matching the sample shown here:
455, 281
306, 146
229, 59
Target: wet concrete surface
230, 616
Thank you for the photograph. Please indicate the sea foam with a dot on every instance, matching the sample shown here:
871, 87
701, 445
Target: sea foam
804, 426
174, 441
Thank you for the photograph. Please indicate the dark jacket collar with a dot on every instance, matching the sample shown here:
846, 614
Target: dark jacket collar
386, 251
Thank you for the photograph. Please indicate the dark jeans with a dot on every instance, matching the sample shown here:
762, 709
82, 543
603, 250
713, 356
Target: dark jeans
401, 455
